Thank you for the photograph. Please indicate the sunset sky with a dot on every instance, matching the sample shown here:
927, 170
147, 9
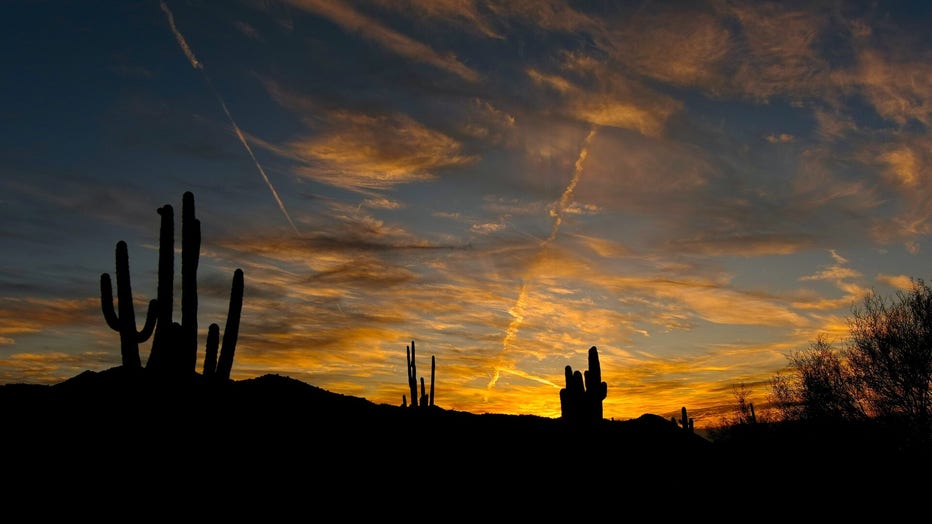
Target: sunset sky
696, 188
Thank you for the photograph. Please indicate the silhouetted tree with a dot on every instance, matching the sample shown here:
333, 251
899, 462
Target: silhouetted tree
743, 405
890, 352
884, 370
820, 386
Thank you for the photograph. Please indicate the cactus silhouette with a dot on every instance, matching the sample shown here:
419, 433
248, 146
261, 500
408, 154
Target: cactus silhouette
125, 323
581, 399
190, 254
210, 354
174, 344
412, 374
424, 400
231, 331
175, 350
685, 422
162, 342
433, 368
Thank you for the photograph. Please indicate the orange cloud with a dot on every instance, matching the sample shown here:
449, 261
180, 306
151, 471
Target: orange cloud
616, 103
363, 152
900, 90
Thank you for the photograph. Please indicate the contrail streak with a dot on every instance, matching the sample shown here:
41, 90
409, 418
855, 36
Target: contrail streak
181, 41
517, 310
196, 64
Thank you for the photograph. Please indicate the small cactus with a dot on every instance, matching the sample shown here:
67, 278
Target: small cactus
424, 400
685, 422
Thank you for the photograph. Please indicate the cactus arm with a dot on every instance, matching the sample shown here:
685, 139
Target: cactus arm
231, 331
210, 355
151, 317
581, 399
106, 302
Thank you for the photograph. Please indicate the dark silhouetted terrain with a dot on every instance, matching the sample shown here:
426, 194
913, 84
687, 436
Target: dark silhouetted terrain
273, 441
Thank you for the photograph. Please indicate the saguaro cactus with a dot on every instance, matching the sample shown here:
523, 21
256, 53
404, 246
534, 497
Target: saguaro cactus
190, 254
685, 422
210, 355
159, 355
175, 349
231, 331
412, 374
581, 399
174, 344
424, 399
125, 323
433, 368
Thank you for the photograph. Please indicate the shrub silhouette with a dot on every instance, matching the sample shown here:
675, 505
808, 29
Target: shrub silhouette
174, 345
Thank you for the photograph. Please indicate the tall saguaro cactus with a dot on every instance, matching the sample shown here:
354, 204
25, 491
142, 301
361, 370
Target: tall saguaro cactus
174, 344
160, 355
190, 254
424, 400
433, 368
125, 323
412, 374
174, 348
581, 399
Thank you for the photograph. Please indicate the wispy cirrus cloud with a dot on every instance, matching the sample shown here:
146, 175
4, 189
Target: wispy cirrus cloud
362, 152
899, 89
614, 102
373, 29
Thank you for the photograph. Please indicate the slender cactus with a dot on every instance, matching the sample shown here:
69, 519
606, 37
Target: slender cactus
162, 343
433, 368
210, 355
412, 374
231, 331
425, 399
596, 390
190, 254
125, 323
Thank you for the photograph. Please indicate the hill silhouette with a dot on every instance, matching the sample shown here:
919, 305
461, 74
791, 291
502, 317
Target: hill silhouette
127, 429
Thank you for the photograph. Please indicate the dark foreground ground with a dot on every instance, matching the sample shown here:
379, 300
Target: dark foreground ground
276, 447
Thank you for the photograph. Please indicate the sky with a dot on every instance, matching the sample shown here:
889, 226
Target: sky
698, 189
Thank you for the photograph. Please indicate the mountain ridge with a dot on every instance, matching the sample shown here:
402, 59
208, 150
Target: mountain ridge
274, 436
